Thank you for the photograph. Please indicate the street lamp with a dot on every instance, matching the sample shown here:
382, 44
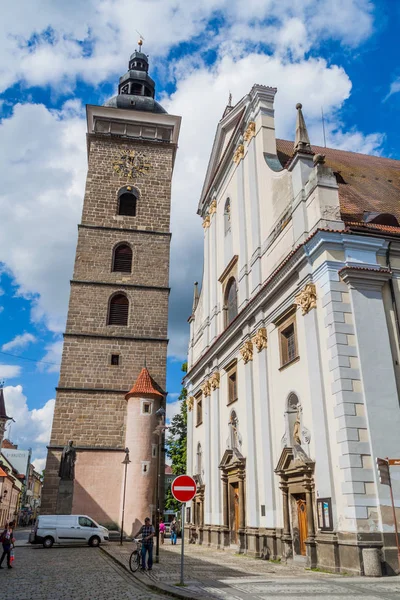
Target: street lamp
160, 413
125, 462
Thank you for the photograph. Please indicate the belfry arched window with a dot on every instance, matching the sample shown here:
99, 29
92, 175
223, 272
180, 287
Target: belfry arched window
227, 216
127, 202
231, 307
118, 310
122, 259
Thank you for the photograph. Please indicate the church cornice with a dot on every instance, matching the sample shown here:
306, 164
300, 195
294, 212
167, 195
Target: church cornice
117, 337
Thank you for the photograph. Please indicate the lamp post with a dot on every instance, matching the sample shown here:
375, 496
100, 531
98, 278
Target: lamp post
160, 413
125, 462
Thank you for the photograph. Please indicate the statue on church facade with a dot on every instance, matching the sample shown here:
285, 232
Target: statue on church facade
66, 471
235, 439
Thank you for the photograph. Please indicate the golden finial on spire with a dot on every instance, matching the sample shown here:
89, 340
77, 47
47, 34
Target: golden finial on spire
140, 40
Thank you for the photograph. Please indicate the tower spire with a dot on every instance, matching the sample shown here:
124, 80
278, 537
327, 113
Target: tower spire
302, 141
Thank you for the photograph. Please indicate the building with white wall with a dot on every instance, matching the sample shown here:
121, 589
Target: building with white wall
293, 362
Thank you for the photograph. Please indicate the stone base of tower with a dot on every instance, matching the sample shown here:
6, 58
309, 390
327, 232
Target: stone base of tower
339, 552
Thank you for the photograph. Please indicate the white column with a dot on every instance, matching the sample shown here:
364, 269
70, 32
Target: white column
216, 518
241, 211
251, 467
255, 260
207, 460
189, 451
205, 292
212, 237
323, 464
264, 443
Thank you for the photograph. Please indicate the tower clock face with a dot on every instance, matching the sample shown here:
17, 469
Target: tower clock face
131, 163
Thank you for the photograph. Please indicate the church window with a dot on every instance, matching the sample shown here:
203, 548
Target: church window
199, 411
127, 204
122, 261
227, 217
288, 341
231, 308
136, 89
146, 408
119, 309
232, 385
115, 360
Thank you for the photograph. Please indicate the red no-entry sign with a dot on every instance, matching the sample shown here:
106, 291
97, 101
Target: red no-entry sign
183, 488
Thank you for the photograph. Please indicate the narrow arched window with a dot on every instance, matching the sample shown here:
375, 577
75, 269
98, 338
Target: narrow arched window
231, 308
227, 216
119, 309
127, 203
122, 260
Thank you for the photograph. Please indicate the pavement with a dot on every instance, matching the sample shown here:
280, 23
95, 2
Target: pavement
69, 573
223, 575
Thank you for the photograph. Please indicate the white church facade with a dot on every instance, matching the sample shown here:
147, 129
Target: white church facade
293, 364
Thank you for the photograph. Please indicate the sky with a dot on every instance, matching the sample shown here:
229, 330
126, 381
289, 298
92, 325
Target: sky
57, 56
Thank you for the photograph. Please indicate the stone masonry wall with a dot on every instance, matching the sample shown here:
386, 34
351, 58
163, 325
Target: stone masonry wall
89, 419
153, 207
150, 260
87, 362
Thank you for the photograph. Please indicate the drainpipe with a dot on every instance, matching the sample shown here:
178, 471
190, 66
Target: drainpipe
392, 293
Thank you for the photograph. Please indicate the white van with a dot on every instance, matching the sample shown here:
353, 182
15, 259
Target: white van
68, 529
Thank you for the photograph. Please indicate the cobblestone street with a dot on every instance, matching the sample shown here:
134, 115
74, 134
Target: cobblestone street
80, 573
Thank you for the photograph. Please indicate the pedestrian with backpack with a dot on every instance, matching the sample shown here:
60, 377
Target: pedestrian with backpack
7, 539
173, 531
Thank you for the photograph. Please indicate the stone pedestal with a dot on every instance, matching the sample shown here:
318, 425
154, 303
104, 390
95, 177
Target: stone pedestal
64, 497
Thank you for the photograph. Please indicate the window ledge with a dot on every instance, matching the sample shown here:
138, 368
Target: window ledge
291, 362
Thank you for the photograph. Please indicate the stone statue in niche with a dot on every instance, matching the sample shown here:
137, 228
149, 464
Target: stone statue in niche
235, 438
66, 471
296, 428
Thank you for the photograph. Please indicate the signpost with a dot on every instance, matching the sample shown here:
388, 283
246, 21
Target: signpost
183, 489
384, 465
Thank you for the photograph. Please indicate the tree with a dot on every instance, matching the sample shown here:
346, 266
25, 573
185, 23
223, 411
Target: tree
176, 444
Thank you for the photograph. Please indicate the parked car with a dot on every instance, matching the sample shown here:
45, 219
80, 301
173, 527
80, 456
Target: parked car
68, 529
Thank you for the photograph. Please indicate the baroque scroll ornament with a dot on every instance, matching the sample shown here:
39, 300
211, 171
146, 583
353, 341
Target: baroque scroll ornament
213, 208
247, 351
307, 298
214, 381
260, 339
206, 388
239, 153
250, 131
206, 222
190, 403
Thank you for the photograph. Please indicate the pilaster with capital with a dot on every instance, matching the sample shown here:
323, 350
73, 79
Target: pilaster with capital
247, 351
307, 298
216, 450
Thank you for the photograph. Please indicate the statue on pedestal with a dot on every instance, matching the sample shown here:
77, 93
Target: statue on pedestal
66, 471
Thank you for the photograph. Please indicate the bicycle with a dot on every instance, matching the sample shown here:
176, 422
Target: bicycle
135, 558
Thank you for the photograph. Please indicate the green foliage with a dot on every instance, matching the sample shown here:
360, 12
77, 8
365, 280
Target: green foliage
176, 444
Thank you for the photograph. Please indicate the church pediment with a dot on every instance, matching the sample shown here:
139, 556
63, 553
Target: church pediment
293, 458
232, 458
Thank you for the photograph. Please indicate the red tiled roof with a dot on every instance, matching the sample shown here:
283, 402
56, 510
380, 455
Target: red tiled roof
145, 386
366, 183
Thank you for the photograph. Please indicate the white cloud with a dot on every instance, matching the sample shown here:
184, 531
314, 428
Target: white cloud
394, 88
32, 428
173, 409
9, 371
19, 342
52, 359
44, 42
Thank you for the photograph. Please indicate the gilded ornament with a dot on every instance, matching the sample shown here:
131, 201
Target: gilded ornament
260, 339
307, 298
250, 131
206, 222
131, 164
214, 381
213, 208
247, 351
206, 388
190, 402
239, 153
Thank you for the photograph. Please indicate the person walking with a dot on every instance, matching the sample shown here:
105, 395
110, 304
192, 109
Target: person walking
173, 531
7, 539
162, 531
147, 533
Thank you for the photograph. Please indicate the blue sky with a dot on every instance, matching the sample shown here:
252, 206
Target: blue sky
57, 56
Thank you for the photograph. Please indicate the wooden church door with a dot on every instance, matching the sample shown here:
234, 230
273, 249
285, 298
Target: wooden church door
302, 518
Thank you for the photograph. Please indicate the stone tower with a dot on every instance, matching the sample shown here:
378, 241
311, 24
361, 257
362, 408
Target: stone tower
118, 308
